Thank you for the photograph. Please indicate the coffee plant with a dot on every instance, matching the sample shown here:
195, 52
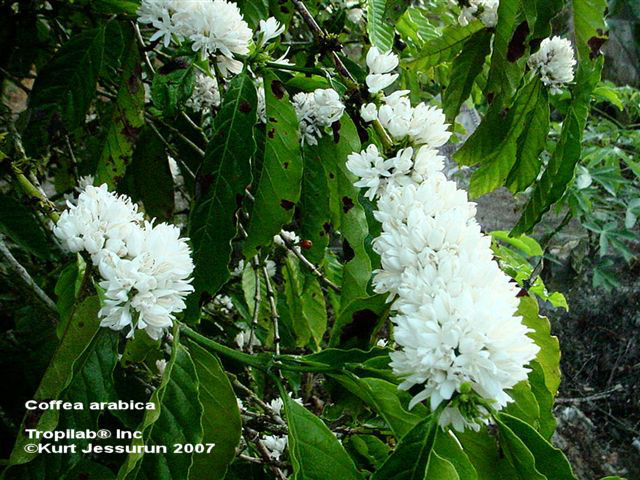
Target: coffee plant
229, 240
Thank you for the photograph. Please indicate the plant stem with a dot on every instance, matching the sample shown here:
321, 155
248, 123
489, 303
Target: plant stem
222, 349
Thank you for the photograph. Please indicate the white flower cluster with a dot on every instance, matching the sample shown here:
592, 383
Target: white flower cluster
145, 268
268, 30
206, 94
214, 27
484, 10
354, 9
455, 320
423, 126
316, 111
554, 61
380, 65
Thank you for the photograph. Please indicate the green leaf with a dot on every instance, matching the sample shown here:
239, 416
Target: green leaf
152, 176
524, 405
316, 454
175, 419
509, 52
448, 448
305, 300
278, 188
561, 166
445, 47
384, 398
171, 90
86, 469
518, 454
82, 328
223, 176
371, 448
608, 94
547, 422
546, 10
65, 290
590, 27
20, 224
66, 85
126, 121
358, 321
529, 246
410, 459
339, 358
531, 143
549, 355
129, 7
441, 469
464, 70
394, 9
380, 32
253, 11
487, 459
314, 208
221, 420
496, 165
549, 460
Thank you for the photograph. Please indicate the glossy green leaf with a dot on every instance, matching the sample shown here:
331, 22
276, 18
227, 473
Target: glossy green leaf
126, 121
175, 419
222, 179
449, 448
410, 459
380, 31
485, 455
509, 50
464, 70
590, 28
384, 398
66, 85
531, 143
445, 47
316, 454
371, 448
544, 398
495, 167
561, 166
441, 469
549, 460
82, 328
525, 404
529, 246
394, 9
278, 188
315, 213
549, 355
221, 420
306, 303
517, 453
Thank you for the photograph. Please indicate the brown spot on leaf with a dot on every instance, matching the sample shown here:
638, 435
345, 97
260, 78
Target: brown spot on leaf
595, 43
336, 131
347, 204
244, 107
173, 65
287, 204
332, 175
284, 9
306, 244
130, 132
522, 293
347, 251
273, 120
285, 165
205, 183
32, 417
277, 88
271, 133
239, 199
327, 227
516, 45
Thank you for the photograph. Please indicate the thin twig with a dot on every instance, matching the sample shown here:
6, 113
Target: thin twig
254, 437
265, 406
26, 278
256, 300
590, 398
296, 251
170, 147
274, 311
178, 133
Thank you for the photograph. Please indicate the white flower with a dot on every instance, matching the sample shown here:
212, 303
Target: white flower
315, 112
213, 26
269, 29
554, 61
355, 15
145, 268
205, 94
262, 102
270, 265
246, 337
372, 169
369, 112
286, 236
161, 365
276, 404
224, 303
380, 64
275, 445
484, 10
